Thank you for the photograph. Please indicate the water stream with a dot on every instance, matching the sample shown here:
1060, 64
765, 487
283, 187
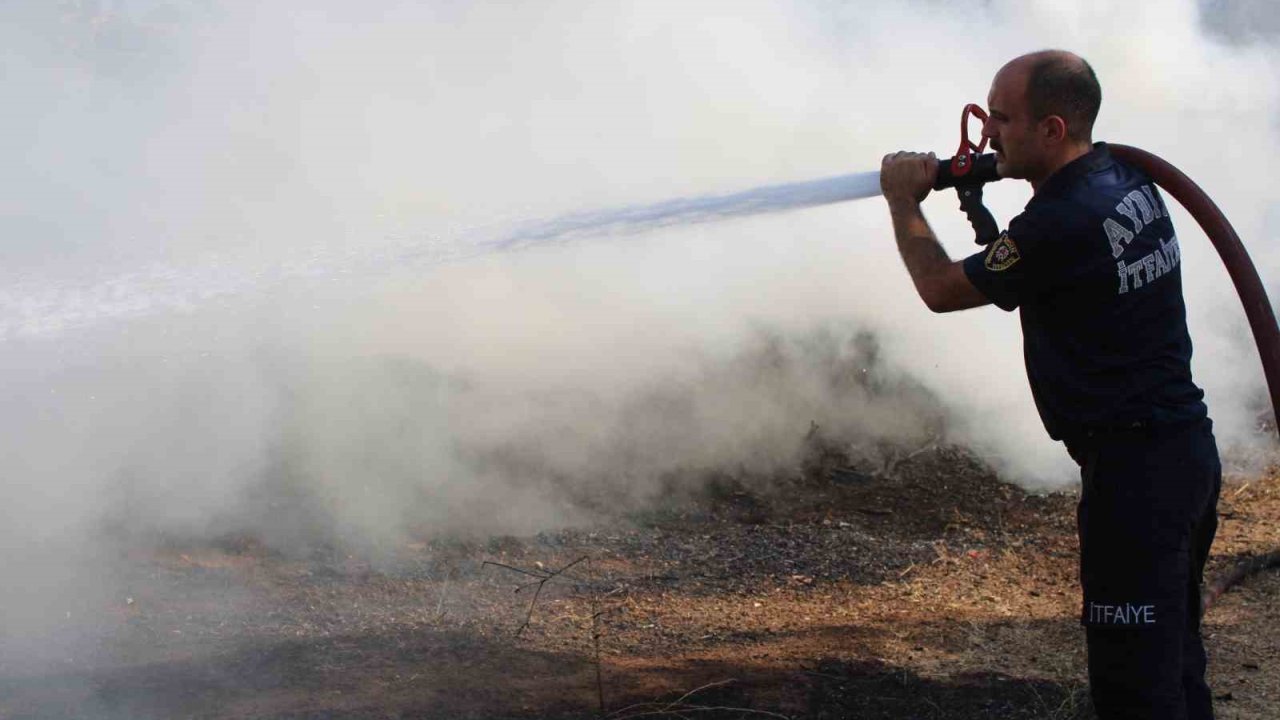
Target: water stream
44, 306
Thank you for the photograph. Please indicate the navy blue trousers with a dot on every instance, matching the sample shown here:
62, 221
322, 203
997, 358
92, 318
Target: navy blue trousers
1146, 519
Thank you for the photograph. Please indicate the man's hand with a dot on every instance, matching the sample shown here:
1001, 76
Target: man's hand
907, 176
906, 179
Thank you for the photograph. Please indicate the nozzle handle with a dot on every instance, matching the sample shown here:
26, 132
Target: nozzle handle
985, 229
981, 170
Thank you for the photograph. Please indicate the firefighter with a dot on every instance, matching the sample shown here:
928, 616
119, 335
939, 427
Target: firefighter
1093, 266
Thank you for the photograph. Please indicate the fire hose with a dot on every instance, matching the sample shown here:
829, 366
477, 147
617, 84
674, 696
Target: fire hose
968, 170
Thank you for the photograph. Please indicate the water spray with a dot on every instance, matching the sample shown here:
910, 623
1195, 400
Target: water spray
967, 172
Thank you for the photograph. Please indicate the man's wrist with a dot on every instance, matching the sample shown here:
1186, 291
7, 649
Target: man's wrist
903, 204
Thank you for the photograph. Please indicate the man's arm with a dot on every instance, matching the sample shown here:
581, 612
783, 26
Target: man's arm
906, 179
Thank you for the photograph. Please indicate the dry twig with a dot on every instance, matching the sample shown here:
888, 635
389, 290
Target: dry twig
543, 576
443, 594
679, 708
1241, 570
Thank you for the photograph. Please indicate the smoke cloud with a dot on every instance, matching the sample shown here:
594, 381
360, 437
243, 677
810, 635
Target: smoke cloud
236, 291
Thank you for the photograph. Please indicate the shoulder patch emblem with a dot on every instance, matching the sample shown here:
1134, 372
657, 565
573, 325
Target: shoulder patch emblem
1003, 254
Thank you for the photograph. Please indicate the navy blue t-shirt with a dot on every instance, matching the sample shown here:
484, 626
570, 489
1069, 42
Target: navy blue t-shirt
1094, 267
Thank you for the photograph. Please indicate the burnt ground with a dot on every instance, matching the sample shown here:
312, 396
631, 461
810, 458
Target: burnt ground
921, 588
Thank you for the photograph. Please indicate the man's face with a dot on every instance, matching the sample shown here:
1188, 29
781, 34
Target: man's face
1010, 128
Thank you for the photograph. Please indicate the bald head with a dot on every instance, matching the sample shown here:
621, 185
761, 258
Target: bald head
1060, 83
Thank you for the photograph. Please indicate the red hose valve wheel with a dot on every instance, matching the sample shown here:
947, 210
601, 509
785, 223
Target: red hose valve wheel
963, 159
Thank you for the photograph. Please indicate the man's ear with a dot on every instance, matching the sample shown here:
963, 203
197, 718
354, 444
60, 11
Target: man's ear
1053, 128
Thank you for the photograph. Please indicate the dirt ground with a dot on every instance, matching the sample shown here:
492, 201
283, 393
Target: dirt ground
920, 587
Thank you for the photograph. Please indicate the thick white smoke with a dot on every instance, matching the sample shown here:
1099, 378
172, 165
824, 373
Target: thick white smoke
220, 309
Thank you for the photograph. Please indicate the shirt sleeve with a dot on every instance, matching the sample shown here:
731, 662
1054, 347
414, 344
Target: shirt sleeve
1005, 271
